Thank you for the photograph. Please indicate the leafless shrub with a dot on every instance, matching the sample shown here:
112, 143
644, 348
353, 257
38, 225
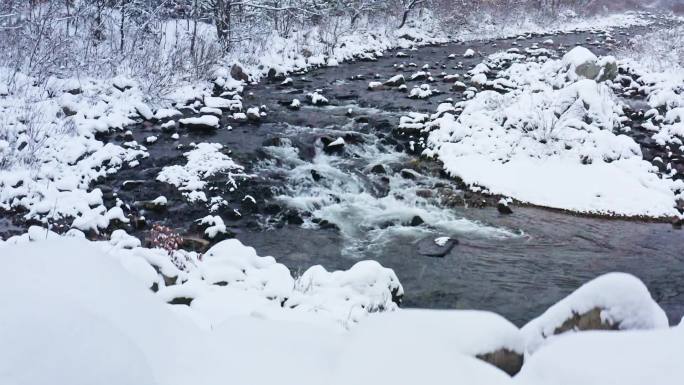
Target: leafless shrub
658, 50
164, 238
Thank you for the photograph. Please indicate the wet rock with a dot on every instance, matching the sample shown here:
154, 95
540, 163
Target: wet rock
409, 174
292, 217
333, 146
139, 223
378, 169
237, 73
68, 111
248, 205
352, 138
272, 208
132, 184
504, 359
275, 75
383, 125
416, 221
324, 224
316, 176
503, 208
436, 248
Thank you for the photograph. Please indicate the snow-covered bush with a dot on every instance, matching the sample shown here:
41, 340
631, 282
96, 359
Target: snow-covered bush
657, 51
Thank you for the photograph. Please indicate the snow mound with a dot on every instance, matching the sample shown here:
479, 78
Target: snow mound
351, 294
422, 347
81, 301
231, 273
469, 332
623, 300
597, 358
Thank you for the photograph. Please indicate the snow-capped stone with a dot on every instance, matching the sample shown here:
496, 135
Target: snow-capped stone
395, 81
375, 86
204, 122
253, 114
615, 301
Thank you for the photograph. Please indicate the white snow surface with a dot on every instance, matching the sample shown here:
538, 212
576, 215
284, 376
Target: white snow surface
252, 323
599, 358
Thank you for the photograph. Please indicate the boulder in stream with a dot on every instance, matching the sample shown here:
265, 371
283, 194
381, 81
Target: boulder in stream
436, 247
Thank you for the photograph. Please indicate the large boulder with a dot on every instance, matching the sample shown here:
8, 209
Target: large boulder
583, 64
238, 73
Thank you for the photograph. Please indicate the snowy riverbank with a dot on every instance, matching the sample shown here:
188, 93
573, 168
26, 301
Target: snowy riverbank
119, 313
554, 133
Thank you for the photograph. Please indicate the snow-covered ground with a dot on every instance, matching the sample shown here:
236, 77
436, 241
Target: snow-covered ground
112, 312
552, 134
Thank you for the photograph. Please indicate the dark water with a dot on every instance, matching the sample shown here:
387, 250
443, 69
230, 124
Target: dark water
516, 265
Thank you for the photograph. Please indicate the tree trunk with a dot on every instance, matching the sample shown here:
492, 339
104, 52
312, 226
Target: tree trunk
122, 25
194, 27
404, 17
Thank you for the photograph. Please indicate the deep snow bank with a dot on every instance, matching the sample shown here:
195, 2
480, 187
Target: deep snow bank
92, 302
231, 273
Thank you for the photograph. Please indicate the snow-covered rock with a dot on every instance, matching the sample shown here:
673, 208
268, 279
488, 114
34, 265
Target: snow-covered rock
204, 122
613, 301
596, 358
583, 64
204, 161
